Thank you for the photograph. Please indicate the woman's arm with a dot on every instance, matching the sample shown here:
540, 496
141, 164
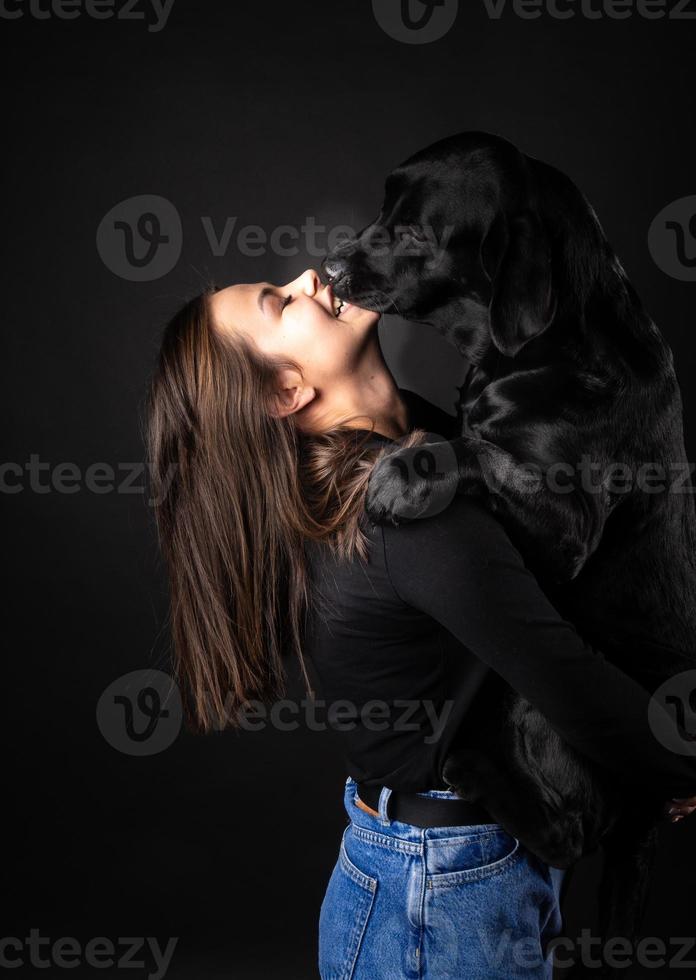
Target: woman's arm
461, 569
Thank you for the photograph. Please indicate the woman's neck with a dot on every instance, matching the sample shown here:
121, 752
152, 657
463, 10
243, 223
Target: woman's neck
367, 397
379, 403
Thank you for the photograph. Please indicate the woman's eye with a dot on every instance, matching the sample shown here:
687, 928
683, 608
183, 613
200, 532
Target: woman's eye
287, 300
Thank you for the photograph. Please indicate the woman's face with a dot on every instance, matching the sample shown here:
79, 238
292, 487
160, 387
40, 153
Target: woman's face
298, 321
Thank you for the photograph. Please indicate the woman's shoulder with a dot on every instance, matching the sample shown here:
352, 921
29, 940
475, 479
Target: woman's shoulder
463, 529
456, 510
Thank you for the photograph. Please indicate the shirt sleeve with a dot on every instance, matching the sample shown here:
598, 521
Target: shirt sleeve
460, 568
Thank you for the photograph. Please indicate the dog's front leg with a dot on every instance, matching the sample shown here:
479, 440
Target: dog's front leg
556, 532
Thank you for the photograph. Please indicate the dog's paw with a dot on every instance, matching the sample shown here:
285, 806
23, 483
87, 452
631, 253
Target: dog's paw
412, 483
468, 786
465, 771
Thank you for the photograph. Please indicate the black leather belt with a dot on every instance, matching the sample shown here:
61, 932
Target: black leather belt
425, 811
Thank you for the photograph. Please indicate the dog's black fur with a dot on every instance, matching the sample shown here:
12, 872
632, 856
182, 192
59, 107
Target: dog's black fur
566, 367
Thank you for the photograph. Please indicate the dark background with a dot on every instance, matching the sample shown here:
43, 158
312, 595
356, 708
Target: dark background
270, 113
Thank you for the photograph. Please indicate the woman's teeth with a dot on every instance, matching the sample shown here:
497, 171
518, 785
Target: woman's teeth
339, 304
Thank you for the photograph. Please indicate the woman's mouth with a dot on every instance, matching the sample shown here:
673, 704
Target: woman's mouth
339, 307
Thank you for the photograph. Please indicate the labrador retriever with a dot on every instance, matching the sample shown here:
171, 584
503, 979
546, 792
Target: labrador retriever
572, 386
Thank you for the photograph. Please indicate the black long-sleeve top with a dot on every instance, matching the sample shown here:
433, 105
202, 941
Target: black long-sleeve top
416, 641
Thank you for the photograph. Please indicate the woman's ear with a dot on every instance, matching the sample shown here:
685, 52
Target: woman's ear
290, 393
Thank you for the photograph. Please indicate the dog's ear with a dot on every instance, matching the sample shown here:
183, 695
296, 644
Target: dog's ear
522, 303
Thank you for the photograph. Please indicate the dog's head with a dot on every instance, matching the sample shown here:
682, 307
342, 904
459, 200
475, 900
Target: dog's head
460, 243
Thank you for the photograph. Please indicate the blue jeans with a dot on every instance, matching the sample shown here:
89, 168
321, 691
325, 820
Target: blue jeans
467, 903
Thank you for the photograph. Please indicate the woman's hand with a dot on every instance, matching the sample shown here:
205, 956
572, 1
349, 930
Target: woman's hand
675, 809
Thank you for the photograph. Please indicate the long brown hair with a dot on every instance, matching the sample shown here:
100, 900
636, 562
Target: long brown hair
238, 491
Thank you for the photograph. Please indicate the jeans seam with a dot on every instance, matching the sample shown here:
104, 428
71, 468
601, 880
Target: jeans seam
421, 911
464, 838
390, 843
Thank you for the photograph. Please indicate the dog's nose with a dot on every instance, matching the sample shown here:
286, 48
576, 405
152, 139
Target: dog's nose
334, 269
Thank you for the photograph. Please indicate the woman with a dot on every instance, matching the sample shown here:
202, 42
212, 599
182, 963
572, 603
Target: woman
267, 412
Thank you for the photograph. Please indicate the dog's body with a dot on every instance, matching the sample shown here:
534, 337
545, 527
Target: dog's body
568, 374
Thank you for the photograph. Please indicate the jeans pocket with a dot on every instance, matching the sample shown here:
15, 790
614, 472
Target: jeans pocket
343, 918
458, 860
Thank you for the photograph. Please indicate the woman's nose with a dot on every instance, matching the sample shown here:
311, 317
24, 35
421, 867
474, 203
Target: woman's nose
308, 282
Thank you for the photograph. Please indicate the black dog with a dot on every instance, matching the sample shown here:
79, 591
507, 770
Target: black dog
569, 376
